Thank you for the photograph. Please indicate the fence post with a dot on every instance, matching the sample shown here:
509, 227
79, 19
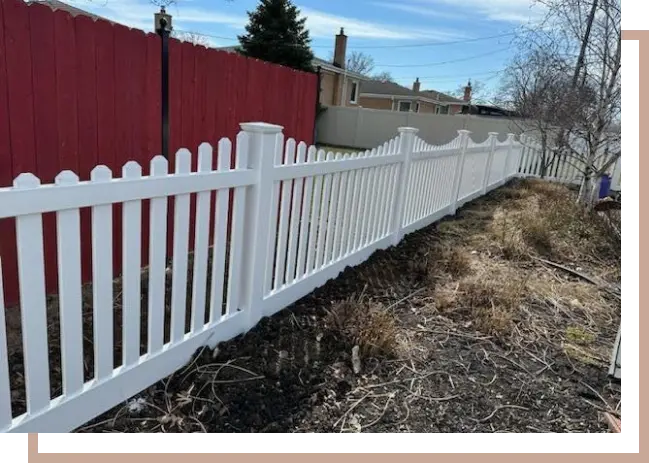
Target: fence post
510, 149
493, 136
262, 145
406, 144
459, 167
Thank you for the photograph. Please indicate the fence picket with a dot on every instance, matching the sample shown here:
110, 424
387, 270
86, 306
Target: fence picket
305, 218
294, 237
340, 214
5, 386
315, 218
324, 215
285, 212
131, 266
332, 220
364, 206
69, 269
31, 271
102, 279
157, 261
355, 205
221, 211
180, 250
278, 153
238, 225
201, 242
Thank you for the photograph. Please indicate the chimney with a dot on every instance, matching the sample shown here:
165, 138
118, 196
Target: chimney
467, 92
416, 85
340, 49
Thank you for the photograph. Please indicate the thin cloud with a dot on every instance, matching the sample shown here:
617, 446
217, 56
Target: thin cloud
421, 10
321, 24
139, 13
517, 11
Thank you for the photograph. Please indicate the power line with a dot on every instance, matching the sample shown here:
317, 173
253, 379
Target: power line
439, 63
434, 44
365, 47
456, 76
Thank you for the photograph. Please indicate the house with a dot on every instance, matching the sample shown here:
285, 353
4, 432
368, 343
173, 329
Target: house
338, 86
391, 96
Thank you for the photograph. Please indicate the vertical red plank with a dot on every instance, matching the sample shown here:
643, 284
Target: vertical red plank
189, 117
188, 109
85, 30
7, 226
175, 122
123, 97
211, 103
153, 85
202, 131
105, 77
137, 83
19, 89
41, 21
66, 87
123, 127
220, 85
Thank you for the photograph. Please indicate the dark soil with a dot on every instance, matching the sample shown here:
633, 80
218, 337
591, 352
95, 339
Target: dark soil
293, 372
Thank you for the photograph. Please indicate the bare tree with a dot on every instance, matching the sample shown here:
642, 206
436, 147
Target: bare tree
581, 40
359, 62
383, 76
537, 87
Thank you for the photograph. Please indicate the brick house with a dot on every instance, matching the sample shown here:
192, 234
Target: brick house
391, 96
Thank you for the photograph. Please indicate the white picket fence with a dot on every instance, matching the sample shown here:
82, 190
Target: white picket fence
299, 217
559, 169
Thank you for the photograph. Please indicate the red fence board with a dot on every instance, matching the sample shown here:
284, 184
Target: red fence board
75, 93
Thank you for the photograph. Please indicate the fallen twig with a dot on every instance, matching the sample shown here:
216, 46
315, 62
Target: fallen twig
501, 407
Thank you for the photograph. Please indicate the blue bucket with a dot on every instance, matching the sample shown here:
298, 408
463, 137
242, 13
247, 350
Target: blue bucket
605, 186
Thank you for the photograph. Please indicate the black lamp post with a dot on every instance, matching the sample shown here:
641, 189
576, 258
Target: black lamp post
163, 28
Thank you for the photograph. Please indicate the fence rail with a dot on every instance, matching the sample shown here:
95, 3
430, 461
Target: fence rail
297, 218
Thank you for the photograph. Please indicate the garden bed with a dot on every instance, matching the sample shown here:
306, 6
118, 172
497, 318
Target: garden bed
500, 319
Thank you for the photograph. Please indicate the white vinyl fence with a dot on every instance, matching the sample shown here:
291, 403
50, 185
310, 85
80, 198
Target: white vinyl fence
298, 218
559, 169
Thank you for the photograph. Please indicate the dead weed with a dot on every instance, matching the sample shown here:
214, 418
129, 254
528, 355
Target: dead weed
365, 324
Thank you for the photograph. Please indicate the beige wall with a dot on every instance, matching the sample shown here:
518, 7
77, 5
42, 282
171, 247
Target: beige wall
331, 85
327, 88
367, 128
426, 108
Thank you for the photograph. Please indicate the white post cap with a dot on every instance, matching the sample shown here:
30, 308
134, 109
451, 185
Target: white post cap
260, 127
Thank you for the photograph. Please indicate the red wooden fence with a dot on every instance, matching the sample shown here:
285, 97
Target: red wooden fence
75, 93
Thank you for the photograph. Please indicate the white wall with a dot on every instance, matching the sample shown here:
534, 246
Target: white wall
367, 128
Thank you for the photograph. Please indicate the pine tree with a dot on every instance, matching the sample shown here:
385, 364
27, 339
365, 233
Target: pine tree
276, 34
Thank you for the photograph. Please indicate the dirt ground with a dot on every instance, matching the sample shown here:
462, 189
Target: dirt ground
465, 326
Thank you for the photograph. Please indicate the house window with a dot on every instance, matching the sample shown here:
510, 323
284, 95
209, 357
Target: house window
437, 109
405, 106
354, 93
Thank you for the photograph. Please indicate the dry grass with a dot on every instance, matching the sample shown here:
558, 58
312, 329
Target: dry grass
364, 324
488, 300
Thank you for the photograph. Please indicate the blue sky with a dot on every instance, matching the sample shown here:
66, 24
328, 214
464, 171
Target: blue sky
384, 29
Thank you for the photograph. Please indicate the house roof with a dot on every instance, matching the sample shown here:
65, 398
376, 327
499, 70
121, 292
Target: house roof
57, 5
317, 62
378, 87
330, 67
